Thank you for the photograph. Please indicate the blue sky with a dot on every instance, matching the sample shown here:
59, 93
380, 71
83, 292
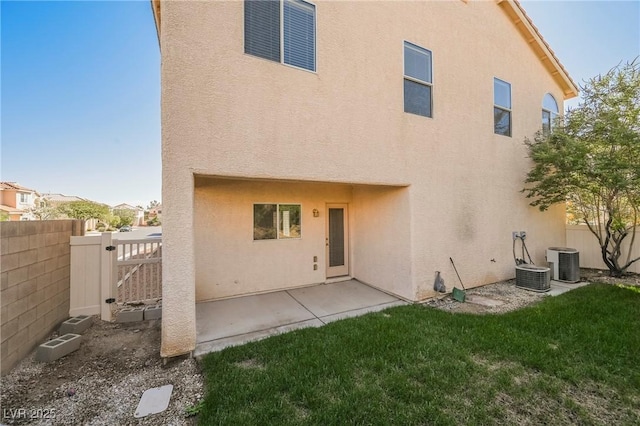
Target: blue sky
81, 99
80, 87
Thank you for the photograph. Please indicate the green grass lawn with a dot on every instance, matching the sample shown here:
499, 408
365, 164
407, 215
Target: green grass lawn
574, 358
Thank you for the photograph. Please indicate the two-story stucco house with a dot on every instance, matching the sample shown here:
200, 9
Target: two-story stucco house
311, 141
16, 201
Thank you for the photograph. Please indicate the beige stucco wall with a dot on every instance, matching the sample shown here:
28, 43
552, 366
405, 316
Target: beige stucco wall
382, 239
226, 113
230, 263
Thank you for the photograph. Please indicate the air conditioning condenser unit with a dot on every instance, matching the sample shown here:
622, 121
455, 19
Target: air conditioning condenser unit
564, 263
535, 278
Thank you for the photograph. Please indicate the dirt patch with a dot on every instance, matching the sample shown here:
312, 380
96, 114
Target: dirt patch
102, 382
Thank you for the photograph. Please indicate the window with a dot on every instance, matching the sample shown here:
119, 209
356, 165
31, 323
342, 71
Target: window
549, 112
501, 107
295, 45
417, 80
276, 221
24, 198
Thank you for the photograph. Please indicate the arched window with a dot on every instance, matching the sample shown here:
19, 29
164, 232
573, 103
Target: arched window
549, 112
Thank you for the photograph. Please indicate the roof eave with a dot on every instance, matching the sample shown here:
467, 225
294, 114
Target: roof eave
528, 30
155, 7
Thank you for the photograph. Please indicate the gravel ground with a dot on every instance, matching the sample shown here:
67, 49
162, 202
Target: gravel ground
102, 382
505, 296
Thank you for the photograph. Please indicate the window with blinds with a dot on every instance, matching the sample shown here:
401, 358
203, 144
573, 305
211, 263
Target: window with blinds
281, 31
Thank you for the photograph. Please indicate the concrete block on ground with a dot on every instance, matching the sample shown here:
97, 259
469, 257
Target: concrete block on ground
76, 325
131, 314
59, 347
152, 312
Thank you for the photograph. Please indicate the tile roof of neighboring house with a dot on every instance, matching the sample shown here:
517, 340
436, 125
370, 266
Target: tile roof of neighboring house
61, 198
125, 206
14, 186
10, 210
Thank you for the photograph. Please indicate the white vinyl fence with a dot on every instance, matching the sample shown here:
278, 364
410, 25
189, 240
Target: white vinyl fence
107, 273
580, 238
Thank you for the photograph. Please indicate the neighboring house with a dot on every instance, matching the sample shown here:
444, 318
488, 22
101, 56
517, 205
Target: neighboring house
308, 142
16, 201
138, 219
55, 200
156, 212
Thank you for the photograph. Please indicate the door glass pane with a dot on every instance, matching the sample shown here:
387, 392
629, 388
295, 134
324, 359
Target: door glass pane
336, 237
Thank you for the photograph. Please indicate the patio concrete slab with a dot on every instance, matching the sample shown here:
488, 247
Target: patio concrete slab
231, 322
248, 314
204, 348
331, 299
558, 287
362, 311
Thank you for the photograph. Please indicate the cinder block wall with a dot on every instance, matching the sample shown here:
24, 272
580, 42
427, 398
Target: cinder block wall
34, 265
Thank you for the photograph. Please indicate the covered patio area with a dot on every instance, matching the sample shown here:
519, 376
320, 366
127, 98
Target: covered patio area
239, 320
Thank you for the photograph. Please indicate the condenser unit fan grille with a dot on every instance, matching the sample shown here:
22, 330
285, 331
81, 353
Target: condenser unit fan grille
569, 266
534, 278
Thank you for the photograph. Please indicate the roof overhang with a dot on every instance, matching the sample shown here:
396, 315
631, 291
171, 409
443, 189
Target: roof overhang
10, 210
525, 26
155, 7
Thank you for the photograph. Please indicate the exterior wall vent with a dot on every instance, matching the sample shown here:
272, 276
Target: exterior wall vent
535, 278
564, 263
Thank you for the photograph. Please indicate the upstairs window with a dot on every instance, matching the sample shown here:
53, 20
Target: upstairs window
418, 80
549, 112
501, 107
281, 31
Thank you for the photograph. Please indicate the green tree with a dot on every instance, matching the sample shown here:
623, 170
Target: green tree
591, 161
84, 210
126, 216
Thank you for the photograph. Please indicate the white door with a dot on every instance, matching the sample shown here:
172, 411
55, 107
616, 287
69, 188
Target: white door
337, 240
